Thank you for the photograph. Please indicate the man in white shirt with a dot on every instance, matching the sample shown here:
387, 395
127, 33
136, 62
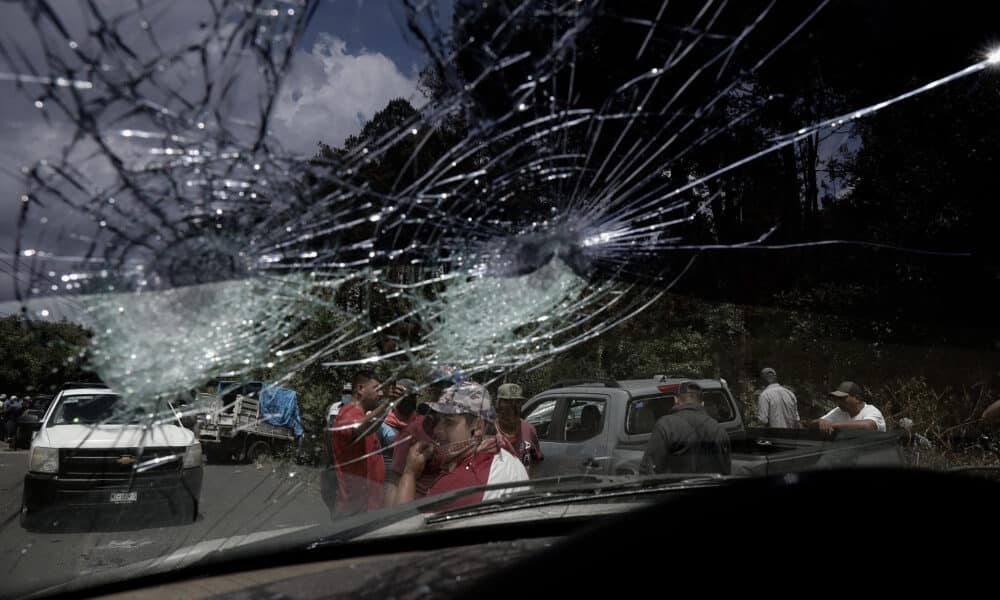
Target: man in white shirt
852, 411
777, 406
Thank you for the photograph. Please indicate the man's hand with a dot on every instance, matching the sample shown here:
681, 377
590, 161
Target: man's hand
825, 426
396, 392
417, 458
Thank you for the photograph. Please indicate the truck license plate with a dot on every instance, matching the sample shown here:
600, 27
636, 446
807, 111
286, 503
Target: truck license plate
124, 497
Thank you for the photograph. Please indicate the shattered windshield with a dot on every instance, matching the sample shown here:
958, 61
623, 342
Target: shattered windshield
442, 255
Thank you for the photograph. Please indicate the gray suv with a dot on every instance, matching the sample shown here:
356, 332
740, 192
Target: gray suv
602, 427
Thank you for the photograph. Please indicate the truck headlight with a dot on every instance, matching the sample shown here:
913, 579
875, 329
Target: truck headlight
44, 460
192, 456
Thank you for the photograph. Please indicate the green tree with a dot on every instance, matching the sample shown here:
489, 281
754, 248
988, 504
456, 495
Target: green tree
38, 356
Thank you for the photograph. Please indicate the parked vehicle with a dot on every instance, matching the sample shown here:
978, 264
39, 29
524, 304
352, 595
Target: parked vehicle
95, 452
602, 427
248, 421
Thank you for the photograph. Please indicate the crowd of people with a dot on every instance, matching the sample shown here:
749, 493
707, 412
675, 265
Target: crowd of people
688, 440
11, 407
386, 447
777, 408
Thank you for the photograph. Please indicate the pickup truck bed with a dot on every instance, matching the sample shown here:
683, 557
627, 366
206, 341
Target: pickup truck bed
243, 416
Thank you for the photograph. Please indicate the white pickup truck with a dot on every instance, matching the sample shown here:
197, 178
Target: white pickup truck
95, 454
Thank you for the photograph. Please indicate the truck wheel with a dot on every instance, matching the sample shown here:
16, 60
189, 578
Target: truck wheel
259, 452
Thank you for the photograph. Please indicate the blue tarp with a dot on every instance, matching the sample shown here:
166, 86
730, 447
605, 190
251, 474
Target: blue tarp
278, 405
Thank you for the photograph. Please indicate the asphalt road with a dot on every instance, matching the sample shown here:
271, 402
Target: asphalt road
239, 504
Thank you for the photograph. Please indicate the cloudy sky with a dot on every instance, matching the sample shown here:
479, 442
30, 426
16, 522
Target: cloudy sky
355, 57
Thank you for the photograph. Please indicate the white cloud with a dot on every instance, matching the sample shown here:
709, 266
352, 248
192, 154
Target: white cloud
329, 94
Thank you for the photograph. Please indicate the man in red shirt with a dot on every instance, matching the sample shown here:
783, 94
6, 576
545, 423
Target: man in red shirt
356, 452
467, 454
519, 433
419, 429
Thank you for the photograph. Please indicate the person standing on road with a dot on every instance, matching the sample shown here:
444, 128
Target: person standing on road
852, 412
520, 434
687, 439
357, 460
468, 455
13, 407
420, 429
777, 406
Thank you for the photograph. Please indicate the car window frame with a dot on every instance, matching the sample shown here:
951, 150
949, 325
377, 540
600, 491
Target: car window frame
604, 417
557, 412
562, 410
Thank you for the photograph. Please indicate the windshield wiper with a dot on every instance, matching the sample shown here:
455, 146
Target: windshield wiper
538, 492
354, 526
617, 487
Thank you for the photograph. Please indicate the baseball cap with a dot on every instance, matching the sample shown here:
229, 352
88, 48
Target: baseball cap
466, 398
847, 388
510, 391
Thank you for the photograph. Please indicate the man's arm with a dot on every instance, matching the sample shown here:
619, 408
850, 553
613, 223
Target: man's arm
795, 408
391, 488
824, 424
416, 460
363, 426
762, 408
656, 452
407, 488
828, 427
860, 424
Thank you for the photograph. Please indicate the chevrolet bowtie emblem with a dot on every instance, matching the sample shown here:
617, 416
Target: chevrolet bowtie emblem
126, 460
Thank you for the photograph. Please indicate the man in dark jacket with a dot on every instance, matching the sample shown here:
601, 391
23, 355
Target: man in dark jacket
687, 440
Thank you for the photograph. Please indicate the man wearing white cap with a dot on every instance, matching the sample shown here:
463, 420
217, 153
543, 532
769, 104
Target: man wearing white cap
468, 454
